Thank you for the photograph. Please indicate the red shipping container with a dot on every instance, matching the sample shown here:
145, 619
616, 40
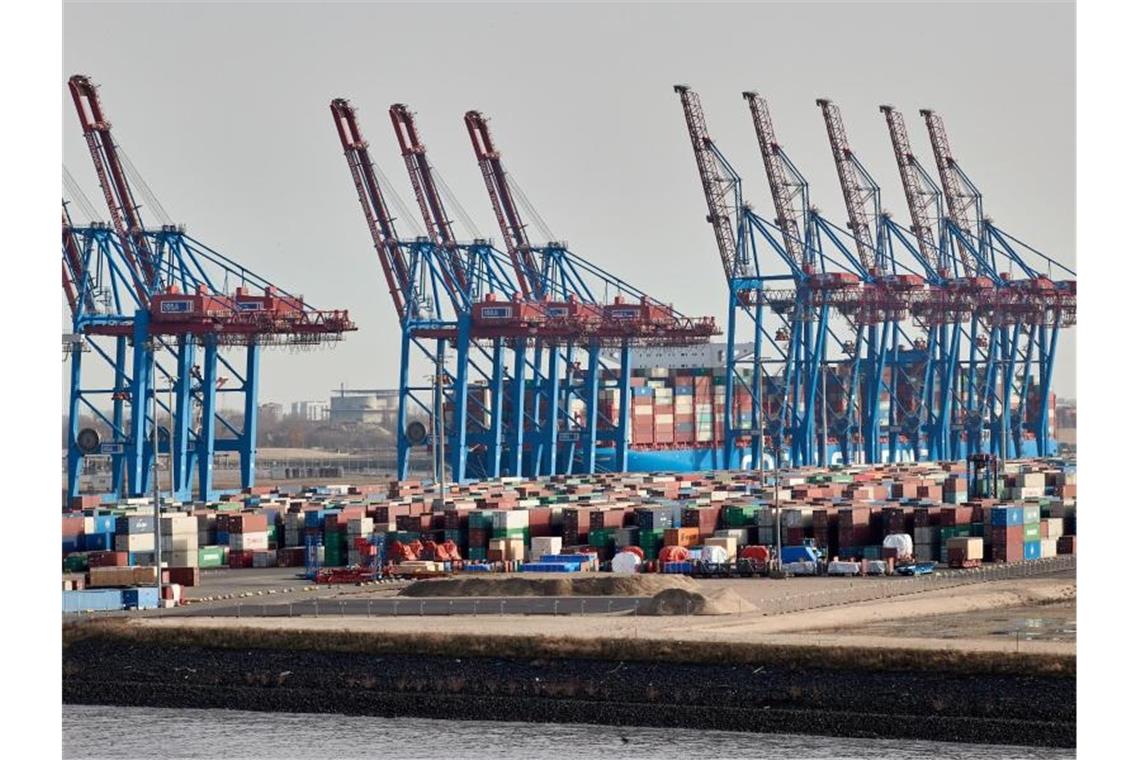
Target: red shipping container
239, 559
248, 522
184, 576
72, 526
107, 559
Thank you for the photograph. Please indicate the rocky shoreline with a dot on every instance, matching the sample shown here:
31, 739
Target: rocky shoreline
996, 708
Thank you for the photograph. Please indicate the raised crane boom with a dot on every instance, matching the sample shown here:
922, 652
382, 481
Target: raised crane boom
423, 184
113, 180
506, 212
376, 214
716, 186
960, 204
922, 201
782, 196
855, 194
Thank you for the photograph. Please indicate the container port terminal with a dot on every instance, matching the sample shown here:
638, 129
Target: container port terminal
867, 433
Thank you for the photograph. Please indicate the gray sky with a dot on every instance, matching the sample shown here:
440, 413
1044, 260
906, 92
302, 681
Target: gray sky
224, 109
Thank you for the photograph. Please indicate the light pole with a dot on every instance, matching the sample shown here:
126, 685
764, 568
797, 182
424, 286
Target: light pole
439, 430
154, 468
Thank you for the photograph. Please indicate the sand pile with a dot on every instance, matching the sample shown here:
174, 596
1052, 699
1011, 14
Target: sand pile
679, 601
576, 585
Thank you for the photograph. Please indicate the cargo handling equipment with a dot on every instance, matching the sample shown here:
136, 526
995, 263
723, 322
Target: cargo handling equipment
952, 322
513, 339
153, 303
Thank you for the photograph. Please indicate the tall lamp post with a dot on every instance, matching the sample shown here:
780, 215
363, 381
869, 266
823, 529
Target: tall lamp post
154, 468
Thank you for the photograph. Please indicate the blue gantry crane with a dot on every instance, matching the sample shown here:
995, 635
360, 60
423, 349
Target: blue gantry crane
1023, 304
540, 304
143, 301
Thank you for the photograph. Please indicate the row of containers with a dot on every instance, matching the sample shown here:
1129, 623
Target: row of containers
686, 407
847, 512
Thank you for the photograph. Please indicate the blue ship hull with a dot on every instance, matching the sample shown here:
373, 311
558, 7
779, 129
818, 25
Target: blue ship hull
703, 460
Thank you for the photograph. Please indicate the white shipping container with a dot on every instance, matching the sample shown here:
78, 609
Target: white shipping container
728, 543
135, 542
180, 559
187, 542
1052, 527
179, 525
258, 541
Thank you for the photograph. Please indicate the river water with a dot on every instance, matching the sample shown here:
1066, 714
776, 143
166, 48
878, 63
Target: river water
139, 732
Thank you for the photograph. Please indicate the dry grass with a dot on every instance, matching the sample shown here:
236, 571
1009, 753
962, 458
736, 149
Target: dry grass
540, 647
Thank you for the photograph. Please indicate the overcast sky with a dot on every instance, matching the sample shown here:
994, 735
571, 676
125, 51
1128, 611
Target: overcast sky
223, 107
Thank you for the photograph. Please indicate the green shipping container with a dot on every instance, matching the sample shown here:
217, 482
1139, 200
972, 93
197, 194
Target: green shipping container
74, 563
945, 534
1031, 532
211, 556
601, 538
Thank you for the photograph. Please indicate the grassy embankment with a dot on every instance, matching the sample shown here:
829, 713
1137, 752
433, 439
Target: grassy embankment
566, 647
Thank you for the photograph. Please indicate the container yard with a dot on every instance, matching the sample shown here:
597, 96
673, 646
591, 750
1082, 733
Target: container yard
903, 518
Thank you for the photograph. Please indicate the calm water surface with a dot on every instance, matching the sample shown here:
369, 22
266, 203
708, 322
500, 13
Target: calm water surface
136, 733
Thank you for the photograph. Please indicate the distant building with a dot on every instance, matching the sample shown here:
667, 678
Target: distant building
364, 407
312, 411
271, 411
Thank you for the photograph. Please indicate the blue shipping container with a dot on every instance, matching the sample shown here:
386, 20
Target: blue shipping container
1006, 516
1032, 549
550, 567
796, 554
93, 599
98, 542
137, 524
143, 598
677, 567
104, 524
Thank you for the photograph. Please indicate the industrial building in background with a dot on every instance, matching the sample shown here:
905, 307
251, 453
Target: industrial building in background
349, 406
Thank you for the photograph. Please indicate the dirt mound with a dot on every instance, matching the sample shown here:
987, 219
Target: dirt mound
545, 585
678, 601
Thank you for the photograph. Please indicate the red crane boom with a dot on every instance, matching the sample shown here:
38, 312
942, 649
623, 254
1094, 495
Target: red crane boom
423, 184
777, 178
113, 181
506, 212
715, 185
921, 202
959, 203
376, 214
855, 195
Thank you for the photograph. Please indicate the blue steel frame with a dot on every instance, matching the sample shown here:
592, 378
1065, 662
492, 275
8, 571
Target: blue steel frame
109, 313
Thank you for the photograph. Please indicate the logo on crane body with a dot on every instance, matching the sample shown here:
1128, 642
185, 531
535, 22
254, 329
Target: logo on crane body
181, 306
495, 312
623, 313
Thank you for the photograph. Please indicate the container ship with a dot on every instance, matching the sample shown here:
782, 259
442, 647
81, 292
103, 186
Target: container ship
678, 408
